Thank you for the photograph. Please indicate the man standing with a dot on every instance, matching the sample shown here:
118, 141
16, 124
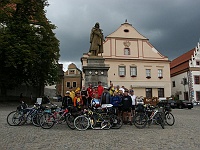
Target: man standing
90, 93
84, 95
67, 100
126, 107
105, 97
133, 97
100, 89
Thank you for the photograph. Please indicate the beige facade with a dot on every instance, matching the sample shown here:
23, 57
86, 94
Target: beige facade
135, 63
72, 79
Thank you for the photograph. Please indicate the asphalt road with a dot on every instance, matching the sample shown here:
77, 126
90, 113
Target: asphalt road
183, 135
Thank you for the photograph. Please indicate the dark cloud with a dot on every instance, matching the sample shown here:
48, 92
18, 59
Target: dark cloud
172, 26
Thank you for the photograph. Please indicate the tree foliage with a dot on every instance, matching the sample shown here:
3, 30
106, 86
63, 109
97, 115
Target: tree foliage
29, 50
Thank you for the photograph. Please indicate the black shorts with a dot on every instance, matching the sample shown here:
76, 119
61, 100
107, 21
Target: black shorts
133, 107
126, 109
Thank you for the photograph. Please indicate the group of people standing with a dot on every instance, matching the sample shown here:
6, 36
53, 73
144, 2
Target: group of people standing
122, 99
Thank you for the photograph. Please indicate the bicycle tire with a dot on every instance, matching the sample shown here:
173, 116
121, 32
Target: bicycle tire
105, 125
81, 123
36, 119
14, 118
162, 123
140, 120
116, 122
169, 119
47, 120
70, 121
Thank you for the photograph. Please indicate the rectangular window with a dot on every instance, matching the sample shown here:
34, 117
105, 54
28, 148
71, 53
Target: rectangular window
126, 51
68, 84
122, 71
74, 84
160, 92
160, 73
196, 79
173, 84
198, 95
133, 71
184, 81
148, 72
148, 93
197, 63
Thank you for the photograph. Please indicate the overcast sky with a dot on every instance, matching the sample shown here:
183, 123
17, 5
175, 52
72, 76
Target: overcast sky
172, 26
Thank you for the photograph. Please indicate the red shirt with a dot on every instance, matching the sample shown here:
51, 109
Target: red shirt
100, 91
90, 92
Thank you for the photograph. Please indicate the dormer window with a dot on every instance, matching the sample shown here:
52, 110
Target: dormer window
71, 71
126, 30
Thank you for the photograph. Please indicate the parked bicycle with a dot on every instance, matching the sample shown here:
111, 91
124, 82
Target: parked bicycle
99, 118
56, 115
148, 115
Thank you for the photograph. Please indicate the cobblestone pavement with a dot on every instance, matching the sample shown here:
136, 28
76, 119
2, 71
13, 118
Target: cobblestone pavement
185, 134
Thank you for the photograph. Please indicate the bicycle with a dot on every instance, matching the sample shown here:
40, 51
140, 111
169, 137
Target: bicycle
53, 116
169, 117
14, 118
92, 118
149, 115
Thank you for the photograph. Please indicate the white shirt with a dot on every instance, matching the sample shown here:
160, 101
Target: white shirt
133, 97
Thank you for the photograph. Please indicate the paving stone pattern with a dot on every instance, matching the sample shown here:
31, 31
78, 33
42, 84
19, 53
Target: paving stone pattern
185, 134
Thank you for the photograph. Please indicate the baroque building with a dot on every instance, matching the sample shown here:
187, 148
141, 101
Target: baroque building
134, 63
70, 81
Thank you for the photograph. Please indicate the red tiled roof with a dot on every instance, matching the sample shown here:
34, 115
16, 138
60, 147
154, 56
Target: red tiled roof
181, 63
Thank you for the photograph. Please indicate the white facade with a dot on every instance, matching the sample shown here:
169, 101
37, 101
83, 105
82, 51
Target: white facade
188, 89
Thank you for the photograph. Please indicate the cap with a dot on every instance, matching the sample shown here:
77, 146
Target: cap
105, 87
131, 90
67, 92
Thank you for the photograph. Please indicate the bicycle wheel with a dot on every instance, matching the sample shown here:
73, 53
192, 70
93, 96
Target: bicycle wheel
160, 119
81, 122
162, 123
36, 119
70, 121
105, 125
169, 119
47, 121
140, 120
116, 122
14, 118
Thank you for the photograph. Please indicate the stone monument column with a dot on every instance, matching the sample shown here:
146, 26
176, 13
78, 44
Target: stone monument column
96, 69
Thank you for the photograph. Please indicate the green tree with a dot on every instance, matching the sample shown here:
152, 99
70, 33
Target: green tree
29, 50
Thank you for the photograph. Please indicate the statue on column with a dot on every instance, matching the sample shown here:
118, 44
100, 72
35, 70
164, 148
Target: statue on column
96, 41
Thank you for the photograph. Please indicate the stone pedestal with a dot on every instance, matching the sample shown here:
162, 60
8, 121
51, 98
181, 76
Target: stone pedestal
96, 70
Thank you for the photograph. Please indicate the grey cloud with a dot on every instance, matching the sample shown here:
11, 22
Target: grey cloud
171, 26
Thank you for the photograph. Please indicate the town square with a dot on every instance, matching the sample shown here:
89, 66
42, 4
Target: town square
99, 75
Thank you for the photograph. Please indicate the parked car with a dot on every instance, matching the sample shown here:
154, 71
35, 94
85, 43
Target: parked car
173, 103
180, 104
195, 103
